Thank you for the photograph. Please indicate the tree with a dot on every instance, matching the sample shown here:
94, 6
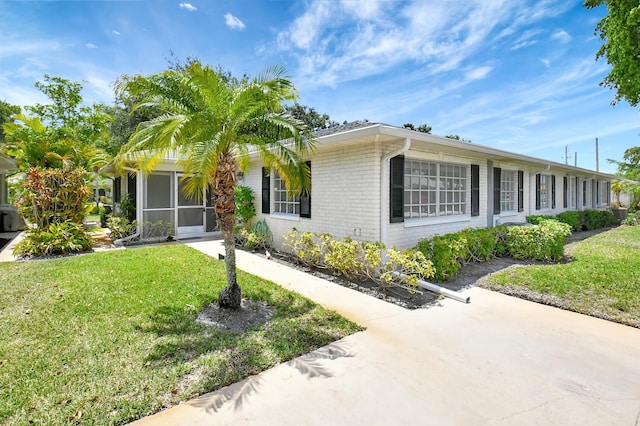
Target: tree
458, 138
422, 128
620, 32
214, 123
310, 116
6, 112
63, 132
629, 168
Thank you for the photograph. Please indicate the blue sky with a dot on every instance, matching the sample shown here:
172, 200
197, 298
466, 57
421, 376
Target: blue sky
514, 75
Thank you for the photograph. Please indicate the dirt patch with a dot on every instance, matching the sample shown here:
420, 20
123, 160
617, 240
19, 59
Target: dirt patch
251, 313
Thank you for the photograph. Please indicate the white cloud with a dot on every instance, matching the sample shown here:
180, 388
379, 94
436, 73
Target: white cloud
8, 48
561, 35
233, 22
115, 32
90, 46
478, 73
339, 42
188, 6
546, 62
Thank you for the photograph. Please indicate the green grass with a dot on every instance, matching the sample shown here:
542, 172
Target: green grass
107, 338
602, 280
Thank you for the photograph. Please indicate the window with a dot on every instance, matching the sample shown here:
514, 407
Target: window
573, 193
544, 191
284, 200
508, 190
434, 189
604, 192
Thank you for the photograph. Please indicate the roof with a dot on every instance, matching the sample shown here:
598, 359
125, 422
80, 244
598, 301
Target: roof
7, 163
362, 132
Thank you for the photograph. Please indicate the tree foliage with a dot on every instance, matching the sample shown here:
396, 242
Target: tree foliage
214, 122
309, 116
423, 128
620, 33
61, 133
6, 112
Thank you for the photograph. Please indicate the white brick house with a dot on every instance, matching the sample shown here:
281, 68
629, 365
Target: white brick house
383, 183
377, 182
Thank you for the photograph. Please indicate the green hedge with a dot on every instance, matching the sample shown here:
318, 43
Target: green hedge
584, 220
544, 242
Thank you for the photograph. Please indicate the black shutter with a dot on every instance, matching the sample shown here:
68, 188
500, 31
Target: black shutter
475, 190
520, 191
497, 174
396, 189
117, 189
565, 192
538, 191
553, 191
266, 191
305, 198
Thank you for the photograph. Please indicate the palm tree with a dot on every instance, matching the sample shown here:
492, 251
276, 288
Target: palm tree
215, 122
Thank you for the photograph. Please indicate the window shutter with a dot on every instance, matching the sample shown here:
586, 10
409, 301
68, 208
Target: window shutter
266, 191
565, 192
538, 191
396, 187
609, 193
497, 174
553, 191
520, 191
117, 189
475, 190
305, 199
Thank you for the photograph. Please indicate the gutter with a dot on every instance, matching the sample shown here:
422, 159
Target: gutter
383, 199
437, 289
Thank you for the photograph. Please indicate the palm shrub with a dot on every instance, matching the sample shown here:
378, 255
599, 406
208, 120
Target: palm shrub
215, 122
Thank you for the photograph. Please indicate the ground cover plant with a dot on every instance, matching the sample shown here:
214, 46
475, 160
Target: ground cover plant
106, 338
602, 280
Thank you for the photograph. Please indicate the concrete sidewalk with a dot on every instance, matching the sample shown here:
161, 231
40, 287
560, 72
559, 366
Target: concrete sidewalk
496, 361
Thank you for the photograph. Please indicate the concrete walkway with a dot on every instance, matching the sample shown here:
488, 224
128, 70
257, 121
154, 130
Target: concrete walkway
496, 361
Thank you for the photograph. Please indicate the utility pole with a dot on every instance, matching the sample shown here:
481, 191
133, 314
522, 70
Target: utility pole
566, 154
597, 157
575, 159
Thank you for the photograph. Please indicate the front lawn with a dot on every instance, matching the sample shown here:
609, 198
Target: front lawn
107, 338
602, 280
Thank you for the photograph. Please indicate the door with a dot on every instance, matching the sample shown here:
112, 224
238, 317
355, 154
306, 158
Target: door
189, 212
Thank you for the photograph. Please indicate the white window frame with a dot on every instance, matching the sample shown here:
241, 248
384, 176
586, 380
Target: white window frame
284, 201
508, 191
435, 189
545, 192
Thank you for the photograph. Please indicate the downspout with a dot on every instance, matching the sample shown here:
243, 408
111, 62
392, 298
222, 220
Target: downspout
384, 194
138, 210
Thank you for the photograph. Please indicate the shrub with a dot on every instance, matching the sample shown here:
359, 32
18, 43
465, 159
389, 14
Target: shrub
360, 260
536, 219
120, 227
105, 212
54, 196
245, 209
544, 242
446, 252
632, 219
253, 240
573, 219
56, 239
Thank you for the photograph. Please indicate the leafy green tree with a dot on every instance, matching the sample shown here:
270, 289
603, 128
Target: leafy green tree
6, 112
422, 128
312, 118
62, 133
620, 32
458, 138
214, 123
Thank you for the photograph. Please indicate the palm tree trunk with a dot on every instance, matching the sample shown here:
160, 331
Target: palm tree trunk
225, 205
